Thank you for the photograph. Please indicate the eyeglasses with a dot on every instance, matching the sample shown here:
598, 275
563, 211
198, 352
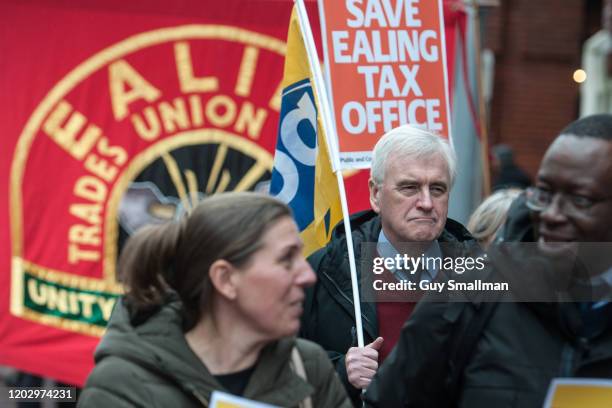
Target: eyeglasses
539, 199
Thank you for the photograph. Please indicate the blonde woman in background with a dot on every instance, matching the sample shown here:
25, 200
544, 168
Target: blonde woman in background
490, 215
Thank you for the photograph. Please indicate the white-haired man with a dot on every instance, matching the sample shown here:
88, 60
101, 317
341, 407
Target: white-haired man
411, 177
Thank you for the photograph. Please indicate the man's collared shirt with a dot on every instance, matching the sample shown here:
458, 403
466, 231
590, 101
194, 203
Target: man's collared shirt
387, 250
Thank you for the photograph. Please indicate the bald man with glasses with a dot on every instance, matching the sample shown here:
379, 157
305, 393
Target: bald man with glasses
519, 347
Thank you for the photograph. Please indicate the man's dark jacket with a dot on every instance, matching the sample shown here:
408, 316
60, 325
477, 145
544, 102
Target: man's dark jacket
329, 317
522, 347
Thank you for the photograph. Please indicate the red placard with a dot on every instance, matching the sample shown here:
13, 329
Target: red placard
386, 66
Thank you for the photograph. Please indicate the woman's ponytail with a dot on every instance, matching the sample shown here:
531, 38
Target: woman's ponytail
146, 264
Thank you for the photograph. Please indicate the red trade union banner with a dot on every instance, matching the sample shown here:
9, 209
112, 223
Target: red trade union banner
386, 65
116, 115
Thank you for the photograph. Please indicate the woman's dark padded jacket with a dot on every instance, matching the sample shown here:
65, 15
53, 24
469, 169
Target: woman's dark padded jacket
151, 365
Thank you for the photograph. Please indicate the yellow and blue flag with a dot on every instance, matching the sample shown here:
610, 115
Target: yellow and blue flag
302, 176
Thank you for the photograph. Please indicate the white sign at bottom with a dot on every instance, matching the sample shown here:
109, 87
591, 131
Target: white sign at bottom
223, 400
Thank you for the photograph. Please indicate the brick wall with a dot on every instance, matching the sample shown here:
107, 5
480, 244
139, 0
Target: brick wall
537, 46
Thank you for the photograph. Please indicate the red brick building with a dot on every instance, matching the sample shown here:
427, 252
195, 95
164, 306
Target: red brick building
537, 46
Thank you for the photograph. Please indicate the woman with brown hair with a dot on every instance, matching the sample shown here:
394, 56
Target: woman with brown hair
213, 303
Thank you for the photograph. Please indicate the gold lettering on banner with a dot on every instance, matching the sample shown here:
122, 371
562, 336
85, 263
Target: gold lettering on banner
247, 71
221, 117
90, 188
103, 166
152, 129
106, 306
67, 301
85, 235
66, 136
100, 167
87, 302
77, 254
122, 74
197, 115
37, 294
90, 213
57, 299
74, 303
184, 69
117, 153
174, 116
220, 111
251, 120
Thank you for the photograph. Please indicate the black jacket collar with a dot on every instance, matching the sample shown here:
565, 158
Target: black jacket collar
335, 273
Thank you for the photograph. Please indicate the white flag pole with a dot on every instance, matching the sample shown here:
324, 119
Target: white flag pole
325, 111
